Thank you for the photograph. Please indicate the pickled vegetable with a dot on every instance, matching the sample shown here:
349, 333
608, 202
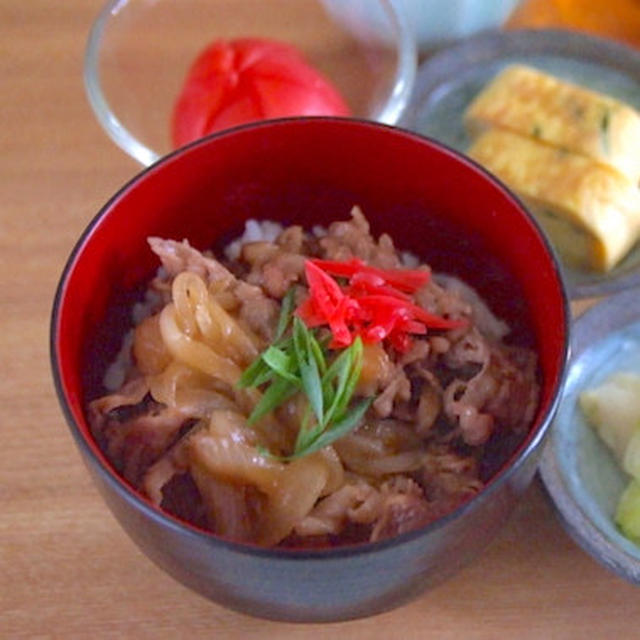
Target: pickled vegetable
613, 409
628, 512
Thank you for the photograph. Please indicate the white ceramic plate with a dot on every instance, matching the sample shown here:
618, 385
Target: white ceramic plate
448, 81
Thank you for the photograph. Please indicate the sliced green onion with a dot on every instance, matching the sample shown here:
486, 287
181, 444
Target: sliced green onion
338, 430
251, 374
281, 362
286, 311
299, 363
279, 391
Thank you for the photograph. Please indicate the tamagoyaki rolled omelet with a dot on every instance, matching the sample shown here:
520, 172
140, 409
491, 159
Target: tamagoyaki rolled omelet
572, 154
540, 106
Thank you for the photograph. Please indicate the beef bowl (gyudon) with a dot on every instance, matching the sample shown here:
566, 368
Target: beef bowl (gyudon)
310, 363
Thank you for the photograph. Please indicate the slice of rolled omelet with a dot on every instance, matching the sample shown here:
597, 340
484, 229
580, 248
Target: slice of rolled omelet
590, 212
538, 105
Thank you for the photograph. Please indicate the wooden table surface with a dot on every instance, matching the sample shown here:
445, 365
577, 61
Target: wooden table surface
67, 570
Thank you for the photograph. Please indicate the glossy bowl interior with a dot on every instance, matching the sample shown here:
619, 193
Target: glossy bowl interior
433, 202
138, 53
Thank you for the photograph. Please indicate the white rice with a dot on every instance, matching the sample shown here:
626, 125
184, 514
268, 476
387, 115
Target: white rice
262, 231
152, 300
409, 260
116, 373
254, 231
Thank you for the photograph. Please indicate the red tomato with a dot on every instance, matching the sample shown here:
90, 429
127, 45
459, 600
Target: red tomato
238, 81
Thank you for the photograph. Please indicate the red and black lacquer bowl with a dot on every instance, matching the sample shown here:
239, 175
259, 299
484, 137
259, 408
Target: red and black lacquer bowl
433, 202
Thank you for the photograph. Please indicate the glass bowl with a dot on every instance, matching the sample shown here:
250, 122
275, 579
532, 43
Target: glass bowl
139, 51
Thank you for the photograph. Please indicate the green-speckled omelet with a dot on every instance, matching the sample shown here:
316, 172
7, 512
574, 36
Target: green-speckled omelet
540, 106
591, 212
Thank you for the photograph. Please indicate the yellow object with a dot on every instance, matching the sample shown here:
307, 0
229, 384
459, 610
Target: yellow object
628, 512
613, 409
538, 105
592, 213
631, 460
